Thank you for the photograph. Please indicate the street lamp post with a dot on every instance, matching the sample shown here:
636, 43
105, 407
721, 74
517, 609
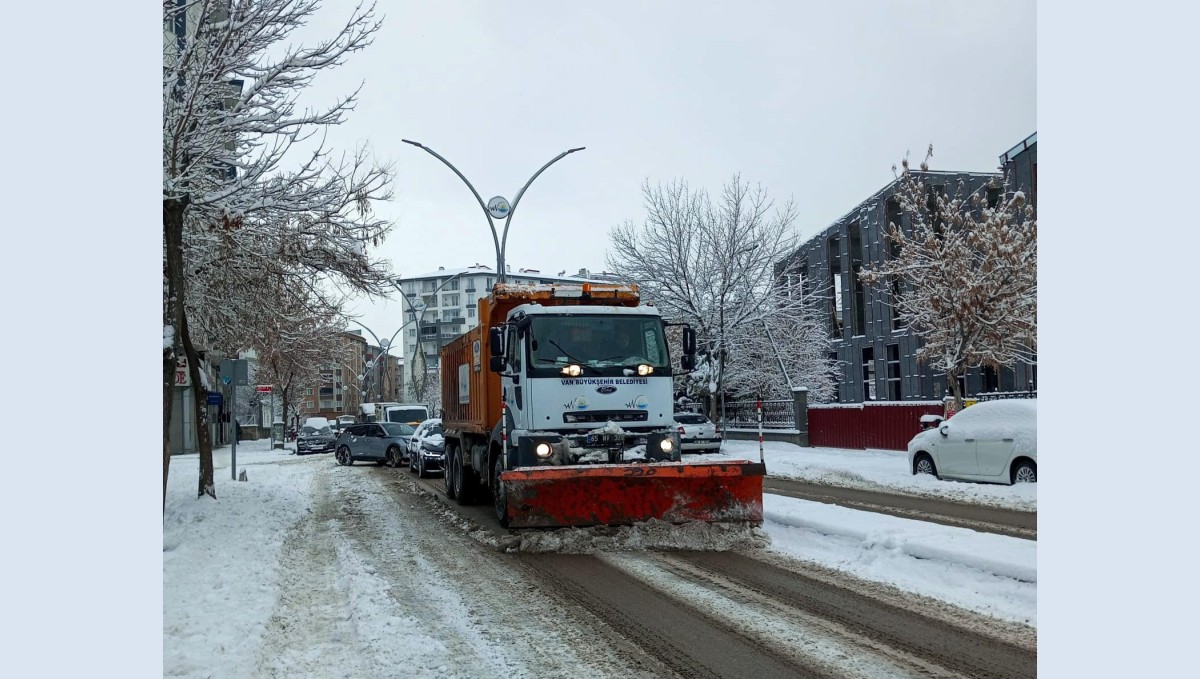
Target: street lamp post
501, 208
380, 360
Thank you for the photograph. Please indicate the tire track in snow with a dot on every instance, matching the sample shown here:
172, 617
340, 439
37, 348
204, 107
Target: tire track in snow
493, 618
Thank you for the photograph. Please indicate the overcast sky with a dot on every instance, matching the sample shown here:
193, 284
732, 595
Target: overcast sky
815, 101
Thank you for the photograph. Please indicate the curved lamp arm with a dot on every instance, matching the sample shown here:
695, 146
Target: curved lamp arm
517, 201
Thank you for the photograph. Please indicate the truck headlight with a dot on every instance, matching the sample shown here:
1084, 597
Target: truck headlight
543, 450
644, 369
572, 370
667, 445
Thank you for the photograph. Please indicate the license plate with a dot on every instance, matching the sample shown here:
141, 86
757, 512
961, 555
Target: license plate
601, 440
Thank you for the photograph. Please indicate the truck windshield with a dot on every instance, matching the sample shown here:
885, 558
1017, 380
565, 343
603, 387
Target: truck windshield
598, 341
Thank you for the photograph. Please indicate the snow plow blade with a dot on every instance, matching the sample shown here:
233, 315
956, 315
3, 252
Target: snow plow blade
624, 494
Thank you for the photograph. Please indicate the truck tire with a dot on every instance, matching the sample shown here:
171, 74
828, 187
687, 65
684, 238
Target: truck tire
448, 475
499, 495
466, 484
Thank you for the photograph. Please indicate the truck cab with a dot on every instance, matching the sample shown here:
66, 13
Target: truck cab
585, 384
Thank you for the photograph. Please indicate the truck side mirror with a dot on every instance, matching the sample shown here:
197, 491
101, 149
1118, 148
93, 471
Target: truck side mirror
689, 341
687, 362
496, 364
495, 343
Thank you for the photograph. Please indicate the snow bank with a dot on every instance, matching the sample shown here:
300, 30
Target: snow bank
996, 554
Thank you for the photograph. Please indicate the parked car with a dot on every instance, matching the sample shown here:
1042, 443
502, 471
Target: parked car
991, 441
315, 439
427, 448
378, 442
697, 434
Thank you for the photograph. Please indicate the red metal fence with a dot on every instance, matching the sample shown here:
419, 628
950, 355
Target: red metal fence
884, 425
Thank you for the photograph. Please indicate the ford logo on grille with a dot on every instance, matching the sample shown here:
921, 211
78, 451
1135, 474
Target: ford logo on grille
606, 389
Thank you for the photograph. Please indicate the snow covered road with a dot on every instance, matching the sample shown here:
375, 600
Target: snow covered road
314, 570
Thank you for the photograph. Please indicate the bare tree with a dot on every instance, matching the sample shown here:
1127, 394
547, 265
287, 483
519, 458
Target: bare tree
231, 79
967, 267
784, 351
711, 265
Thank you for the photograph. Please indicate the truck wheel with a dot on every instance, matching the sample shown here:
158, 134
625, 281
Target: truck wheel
448, 475
499, 494
465, 486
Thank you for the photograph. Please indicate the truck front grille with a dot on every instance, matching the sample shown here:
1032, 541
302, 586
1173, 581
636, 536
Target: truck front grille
606, 416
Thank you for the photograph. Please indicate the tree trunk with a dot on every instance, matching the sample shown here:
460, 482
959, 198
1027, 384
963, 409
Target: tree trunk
952, 381
173, 210
200, 400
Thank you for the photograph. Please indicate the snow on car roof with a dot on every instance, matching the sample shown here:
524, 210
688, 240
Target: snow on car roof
1009, 418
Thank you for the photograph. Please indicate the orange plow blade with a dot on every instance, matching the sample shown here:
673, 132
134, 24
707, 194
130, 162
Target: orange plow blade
622, 494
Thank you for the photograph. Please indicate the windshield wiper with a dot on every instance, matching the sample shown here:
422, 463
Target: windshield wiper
559, 347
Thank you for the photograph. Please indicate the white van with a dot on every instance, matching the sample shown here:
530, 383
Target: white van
406, 413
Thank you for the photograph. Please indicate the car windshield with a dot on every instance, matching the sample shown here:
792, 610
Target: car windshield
691, 419
314, 431
598, 341
435, 431
397, 429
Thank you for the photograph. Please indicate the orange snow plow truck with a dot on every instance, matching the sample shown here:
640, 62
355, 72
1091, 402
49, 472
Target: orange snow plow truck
559, 406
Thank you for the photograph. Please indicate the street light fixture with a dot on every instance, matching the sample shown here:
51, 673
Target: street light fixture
500, 242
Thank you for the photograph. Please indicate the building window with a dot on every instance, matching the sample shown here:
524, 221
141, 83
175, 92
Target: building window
893, 372
859, 297
868, 373
450, 300
412, 332
470, 312
452, 285
835, 275
993, 197
935, 193
1033, 186
991, 380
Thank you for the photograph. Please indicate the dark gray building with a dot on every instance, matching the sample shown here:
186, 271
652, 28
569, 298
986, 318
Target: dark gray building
875, 354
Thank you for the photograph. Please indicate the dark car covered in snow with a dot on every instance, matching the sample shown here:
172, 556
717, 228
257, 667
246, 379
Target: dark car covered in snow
315, 440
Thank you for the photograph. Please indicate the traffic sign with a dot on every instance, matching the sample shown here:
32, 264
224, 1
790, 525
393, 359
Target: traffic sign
226, 379
264, 388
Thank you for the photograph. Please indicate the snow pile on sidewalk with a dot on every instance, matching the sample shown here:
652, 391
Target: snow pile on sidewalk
879, 470
220, 557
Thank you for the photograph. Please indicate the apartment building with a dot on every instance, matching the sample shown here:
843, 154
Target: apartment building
346, 382
442, 304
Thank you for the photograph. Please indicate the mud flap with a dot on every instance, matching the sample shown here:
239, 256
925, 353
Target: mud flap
624, 494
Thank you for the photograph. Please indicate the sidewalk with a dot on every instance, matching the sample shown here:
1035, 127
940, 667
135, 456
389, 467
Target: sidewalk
247, 451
